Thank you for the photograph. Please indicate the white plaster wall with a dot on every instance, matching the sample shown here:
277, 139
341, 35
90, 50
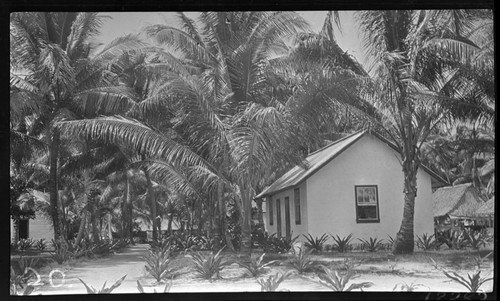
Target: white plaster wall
295, 229
369, 161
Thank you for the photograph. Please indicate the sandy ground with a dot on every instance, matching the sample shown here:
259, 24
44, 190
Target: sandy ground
382, 270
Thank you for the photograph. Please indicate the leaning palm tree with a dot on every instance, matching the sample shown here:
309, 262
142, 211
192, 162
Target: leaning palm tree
421, 63
56, 75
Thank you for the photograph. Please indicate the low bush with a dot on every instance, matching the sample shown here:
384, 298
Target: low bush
473, 282
273, 244
404, 287
315, 244
455, 240
476, 239
342, 244
104, 289
339, 282
25, 244
159, 264
271, 283
257, 266
426, 242
208, 266
301, 261
372, 244
41, 244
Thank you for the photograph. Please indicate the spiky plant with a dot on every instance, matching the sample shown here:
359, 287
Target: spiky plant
426, 242
315, 244
301, 261
342, 244
104, 289
473, 282
159, 264
372, 244
256, 266
339, 282
271, 283
208, 266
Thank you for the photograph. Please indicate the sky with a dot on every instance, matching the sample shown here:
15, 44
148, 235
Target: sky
122, 23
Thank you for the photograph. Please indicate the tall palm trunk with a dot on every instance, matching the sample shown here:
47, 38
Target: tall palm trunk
222, 217
81, 229
152, 204
129, 211
404, 241
53, 186
246, 219
94, 221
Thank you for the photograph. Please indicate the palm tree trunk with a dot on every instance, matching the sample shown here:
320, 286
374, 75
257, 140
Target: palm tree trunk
53, 189
81, 229
404, 241
260, 214
222, 217
152, 203
129, 211
246, 231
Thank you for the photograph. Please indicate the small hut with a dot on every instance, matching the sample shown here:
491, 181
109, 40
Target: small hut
487, 213
455, 207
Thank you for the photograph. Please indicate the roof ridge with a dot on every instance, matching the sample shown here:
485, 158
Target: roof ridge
334, 142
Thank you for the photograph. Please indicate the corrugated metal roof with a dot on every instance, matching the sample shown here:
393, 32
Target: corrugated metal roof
314, 161
453, 200
319, 158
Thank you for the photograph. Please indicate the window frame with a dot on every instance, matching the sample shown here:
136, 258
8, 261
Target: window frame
296, 204
278, 218
364, 221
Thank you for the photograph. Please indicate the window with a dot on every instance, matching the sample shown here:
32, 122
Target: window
271, 211
367, 204
278, 217
296, 200
287, 216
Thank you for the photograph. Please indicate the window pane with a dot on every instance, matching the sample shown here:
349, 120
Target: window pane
360, 194
367, 212
296, 199
271, 212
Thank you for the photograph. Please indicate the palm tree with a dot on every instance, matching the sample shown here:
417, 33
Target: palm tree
421, 63
55, 75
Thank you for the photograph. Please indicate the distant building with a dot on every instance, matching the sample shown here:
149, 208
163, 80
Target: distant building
455, 207
37, 228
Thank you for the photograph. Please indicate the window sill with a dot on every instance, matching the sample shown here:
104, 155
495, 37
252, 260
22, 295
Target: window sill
368, 221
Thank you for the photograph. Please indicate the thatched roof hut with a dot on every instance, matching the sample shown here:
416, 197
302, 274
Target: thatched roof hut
456, 201
487, 208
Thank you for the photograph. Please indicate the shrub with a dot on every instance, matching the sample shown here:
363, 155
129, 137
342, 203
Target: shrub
350, 263
256, 266
455, 240
41, 244
315, 244
104, 289
21, 271
280, 245
167, 288
342, 244
208, 266
390, 242
301, 261
25, 244
476, 238
472, 282
371, 244
61, 253
158, 264
338, 283
479, 260
404, 287
271, 283
426, 242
